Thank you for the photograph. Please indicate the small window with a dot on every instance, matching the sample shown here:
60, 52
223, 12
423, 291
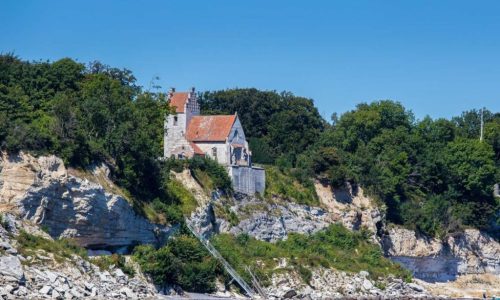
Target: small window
175, 121
214, 152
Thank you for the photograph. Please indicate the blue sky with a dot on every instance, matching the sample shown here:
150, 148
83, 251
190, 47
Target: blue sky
437, 57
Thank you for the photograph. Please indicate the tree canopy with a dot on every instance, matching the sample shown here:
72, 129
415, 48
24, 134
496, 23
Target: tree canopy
433, 175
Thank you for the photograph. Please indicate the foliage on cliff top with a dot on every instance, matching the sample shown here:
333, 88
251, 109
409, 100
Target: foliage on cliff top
433, 175
276, 124
84, 115
335, 247
210, 174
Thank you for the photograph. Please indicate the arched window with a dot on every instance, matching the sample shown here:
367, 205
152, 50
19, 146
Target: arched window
175, 121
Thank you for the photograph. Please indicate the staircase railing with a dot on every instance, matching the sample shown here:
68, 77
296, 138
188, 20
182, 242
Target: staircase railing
229, 269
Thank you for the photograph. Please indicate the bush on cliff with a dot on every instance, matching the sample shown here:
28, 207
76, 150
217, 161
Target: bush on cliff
182, 261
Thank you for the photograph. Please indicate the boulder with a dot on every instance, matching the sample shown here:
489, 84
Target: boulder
45, 290
11, 268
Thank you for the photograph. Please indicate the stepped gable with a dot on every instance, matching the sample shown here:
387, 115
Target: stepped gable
178, 100
210, 128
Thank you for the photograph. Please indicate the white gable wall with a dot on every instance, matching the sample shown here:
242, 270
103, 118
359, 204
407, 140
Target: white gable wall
237, 135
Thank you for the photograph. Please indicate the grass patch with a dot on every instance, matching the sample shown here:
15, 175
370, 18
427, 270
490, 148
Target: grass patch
252, 208
204, 180
283, 185
187, 202
224, 212
162, 213
335, 247
105, 262
61, 249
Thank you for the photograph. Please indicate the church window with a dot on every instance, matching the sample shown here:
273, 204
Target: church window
175, 121
214, 152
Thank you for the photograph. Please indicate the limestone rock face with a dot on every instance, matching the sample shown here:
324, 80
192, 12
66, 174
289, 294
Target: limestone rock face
470, 252
478, 252
350, 207
280, 220
43, 191
260, 219
404, 242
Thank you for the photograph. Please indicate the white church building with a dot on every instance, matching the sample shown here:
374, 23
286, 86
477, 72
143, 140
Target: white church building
220, 137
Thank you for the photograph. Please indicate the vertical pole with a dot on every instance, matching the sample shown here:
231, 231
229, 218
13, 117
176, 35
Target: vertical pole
482, 125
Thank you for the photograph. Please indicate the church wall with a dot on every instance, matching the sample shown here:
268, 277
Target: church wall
238, 138
174, 138
222, 151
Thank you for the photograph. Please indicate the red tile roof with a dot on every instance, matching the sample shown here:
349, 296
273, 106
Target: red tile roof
210, 128
196, 149
178, 100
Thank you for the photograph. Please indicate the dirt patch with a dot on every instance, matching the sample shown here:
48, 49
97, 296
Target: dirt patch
466, 286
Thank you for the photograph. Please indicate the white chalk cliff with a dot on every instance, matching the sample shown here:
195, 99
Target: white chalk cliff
43, 191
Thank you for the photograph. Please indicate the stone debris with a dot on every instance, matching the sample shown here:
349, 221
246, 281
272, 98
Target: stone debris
331, 284
73, 279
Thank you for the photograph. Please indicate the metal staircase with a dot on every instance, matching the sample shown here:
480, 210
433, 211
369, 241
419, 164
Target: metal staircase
229, 269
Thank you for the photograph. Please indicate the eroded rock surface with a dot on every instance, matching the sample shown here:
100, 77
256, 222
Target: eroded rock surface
41, 190
469, 252
276, 221
41, 276
350, 207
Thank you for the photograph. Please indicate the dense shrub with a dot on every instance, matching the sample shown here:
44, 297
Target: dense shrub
219, 178
182, 261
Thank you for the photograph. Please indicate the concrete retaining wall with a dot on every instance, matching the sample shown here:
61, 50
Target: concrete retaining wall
248, 180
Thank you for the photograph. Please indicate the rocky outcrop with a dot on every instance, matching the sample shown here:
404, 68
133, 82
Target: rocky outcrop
331, 284
279, 220
350, 207
40, 276
404, 242
265, 221
43, 191
469, 252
